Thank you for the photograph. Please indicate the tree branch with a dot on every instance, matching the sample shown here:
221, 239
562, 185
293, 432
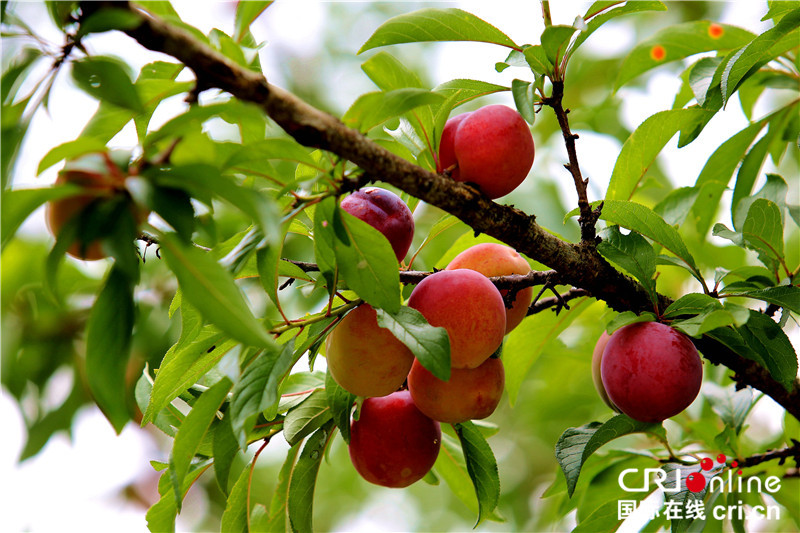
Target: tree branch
792, 452
587, 218
578, 265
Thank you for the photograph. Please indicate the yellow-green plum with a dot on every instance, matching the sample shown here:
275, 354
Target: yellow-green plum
393, 444
470, 394
387, 213
492, 148
492, 259
364, 358
651, 371
469, 307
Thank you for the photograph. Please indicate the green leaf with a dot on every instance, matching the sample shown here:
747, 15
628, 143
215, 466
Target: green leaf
526, 342
275, 148
555, 39
537, 60
691, 304
109, 18
677, 205
70, 150
268, 260
366, 260
712, 318
677, 42
482, 468
209, 287
341, 404
191, 434
246, 14
628, 317
435, 24
600, 19
718, 171
770, 342
307, 417
184, 364
644, 144
429, 344
234, 517
756, 53
107, 80
524, 98
373, 109
278, 509
633, 253
225, 449
323, 243
161, 516
643, 220
59, 419
257, 389
388, 73
17, 206
604, 518
730, 404
304, 479
576, 445
786, 296
701, 77
778, 9
763, 231
108, 338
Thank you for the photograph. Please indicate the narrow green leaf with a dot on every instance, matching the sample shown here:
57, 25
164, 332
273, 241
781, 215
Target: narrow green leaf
429, 344
275, 148
268, 261
304, 479
307, 417
604, 518
70, 150
710, 319
482, 468
778, 9
107, 80
39, 433
677, 42
278, 508
677, 205
388, 73
576, 445
257, 389
209, 287
691, 304
108, 338
109, 18
526, 342
225, 448
628, 317
763, 231
372, 109
366, 261
161, 515
786, 296
192, 432
246, 14
555, 39
643, 220
633, 253
434, 24
323, 243
701, 77
234, 517
537, 60
756, 53
17, 205
341, 404
183, 365
644, 144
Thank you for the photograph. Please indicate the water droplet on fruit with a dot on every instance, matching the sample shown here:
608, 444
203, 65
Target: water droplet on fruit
707, 464
695, 482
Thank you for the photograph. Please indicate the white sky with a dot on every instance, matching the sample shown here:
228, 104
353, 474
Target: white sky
72, 486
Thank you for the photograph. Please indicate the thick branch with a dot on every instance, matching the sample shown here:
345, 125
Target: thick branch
578, 265
792, 452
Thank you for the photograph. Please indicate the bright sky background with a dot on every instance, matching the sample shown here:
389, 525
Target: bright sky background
72, 485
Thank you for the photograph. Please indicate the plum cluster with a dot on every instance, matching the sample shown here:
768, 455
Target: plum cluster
396, 439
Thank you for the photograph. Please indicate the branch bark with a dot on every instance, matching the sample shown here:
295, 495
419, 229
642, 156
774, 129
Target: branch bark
578, 265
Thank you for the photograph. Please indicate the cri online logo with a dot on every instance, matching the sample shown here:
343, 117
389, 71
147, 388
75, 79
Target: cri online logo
699, 481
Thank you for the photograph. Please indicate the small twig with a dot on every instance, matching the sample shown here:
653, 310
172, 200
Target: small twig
548, 19
587, 218
559, 301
